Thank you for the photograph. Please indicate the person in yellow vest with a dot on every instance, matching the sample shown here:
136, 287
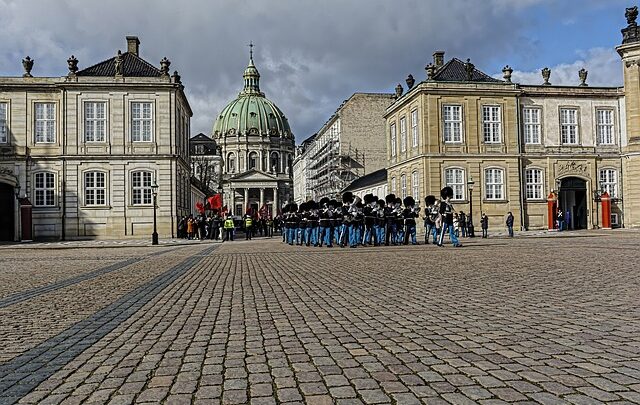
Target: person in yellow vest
248, 226
228, 228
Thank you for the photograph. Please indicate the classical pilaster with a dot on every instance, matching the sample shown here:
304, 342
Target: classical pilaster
275, 201
246, 200
261, 197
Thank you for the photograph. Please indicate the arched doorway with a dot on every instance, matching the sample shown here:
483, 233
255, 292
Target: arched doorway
573, 198
7, 208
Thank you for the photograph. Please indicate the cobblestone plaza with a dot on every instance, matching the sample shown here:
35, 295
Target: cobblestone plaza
532, 319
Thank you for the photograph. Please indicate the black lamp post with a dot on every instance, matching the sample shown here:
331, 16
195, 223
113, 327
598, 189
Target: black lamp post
470, 184
154, 235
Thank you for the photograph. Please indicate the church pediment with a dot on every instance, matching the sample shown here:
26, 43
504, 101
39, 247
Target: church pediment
253, 175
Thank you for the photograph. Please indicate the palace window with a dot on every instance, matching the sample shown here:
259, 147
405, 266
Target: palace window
415, 186
141, 187
454, 178
414, 128
403, 134
393, 185
392, 129
491, 123
605, 127
608, 182
95, 121
494, 184
532, 128
4, 137
141, 122
403, 185
95, 189
452, 115
569, 126
533, 184
44, 189
45, 122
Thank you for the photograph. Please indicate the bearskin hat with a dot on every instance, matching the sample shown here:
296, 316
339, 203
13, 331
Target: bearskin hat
324, 201
347, 197
380, 203
430, 200
409, 201
332, 203
368, 198
398, 200
446, 192
312, 205
359, 204
375, 198
390, 198
293, 207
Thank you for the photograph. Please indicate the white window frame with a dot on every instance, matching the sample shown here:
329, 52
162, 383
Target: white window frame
452, 123
605, 129
403, 134
414, 128
454, 177
492, 123
403, 185
532, 125
415, 185
608, 181
44, 123
493, 187
95, 188
4, 129
534, 184
569, 128
95, 121
141, 191
141, 122
393, 185
44, 189
392, 130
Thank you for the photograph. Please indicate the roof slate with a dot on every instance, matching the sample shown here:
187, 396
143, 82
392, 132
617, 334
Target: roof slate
454, 71
132, 66
370, 179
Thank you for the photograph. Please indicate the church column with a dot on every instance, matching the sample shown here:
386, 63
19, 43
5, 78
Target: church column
246, 200
275, 202
261, 165
261, 197
232, 208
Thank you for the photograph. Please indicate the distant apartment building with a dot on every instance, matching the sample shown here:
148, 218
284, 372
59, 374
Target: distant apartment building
351, 144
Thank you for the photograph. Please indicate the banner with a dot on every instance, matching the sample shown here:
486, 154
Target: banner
215, 202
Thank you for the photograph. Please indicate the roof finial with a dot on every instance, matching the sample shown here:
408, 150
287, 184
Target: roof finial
250, 50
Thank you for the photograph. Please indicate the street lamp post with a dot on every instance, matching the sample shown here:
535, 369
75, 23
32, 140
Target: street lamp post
154, 235
470, 185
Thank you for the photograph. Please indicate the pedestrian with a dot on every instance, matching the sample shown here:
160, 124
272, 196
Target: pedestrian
462, 224
560, 219
248, 226
431, 214
228, 228
456, 224
510, 223
190, 227
484, 223
567, 219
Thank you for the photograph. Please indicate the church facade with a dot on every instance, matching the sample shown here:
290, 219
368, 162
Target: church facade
81, 154
506, 147
257, 148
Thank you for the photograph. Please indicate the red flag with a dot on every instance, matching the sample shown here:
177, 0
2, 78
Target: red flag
200, 207
215, 201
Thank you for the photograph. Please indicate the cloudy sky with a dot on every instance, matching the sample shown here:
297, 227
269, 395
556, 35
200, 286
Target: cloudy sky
314, 54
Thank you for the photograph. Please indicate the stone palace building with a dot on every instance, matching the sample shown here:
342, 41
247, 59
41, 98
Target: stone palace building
504, 146
80, 154
257, 148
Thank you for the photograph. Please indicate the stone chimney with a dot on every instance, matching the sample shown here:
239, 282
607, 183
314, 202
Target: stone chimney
133, 45
438, 58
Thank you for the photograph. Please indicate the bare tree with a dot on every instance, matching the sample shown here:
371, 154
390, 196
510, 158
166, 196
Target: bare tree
207, 171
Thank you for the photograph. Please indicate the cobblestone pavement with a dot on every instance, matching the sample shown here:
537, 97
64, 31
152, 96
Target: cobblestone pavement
526, 320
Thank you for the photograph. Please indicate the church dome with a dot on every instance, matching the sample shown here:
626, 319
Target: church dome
251, 113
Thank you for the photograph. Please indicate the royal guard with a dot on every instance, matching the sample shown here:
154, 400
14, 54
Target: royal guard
431, 215
446, 212
410, 213
369, 219
390, 217
380, 222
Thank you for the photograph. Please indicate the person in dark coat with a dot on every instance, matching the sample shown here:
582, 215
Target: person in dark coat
484, 223
510, 223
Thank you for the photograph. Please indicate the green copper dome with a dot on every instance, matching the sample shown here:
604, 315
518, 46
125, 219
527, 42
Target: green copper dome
251, 113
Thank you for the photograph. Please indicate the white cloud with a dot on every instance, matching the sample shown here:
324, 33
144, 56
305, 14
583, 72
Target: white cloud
604, 67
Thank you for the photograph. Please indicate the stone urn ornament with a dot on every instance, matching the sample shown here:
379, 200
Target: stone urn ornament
27, 64
582, 74
73, 65
546, 75
507, 71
